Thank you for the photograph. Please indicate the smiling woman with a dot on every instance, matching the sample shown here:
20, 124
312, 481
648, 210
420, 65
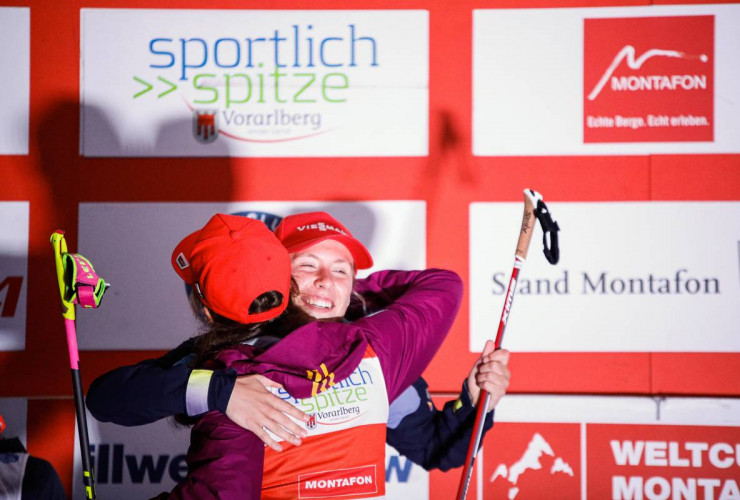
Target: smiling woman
325, 276
345, 374
324, 258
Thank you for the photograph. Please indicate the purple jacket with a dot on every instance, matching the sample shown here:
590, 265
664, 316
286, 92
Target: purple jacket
226, 461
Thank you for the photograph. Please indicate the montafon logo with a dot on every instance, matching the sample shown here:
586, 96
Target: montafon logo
540, 459
681, 281
663, 461
648, 79
273, 85
339, 483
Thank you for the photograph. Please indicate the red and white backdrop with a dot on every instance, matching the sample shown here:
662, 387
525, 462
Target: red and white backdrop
419, 124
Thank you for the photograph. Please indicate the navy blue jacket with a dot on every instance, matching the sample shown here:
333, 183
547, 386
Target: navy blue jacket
156, 388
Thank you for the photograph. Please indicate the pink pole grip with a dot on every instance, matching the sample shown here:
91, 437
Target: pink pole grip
74, 356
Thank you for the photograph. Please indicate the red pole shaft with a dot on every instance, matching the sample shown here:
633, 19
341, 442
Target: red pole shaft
485, 397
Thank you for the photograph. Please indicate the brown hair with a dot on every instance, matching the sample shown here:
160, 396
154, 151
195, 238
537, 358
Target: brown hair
223, 332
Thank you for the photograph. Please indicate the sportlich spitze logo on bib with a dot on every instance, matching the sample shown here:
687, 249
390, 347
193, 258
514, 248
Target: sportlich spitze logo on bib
322, 380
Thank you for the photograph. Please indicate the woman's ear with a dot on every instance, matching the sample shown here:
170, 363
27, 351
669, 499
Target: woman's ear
207, 314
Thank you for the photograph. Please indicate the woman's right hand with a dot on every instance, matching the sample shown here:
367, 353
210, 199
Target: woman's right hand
253, 407
490, 373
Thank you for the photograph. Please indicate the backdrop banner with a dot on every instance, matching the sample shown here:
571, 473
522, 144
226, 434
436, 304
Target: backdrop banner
254, 83
615, 81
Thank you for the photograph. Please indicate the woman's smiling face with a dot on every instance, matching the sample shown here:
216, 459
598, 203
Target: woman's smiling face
325, 275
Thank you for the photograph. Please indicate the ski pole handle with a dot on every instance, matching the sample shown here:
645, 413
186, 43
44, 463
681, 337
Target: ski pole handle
531, 199
66, 279
528, 222
60, 249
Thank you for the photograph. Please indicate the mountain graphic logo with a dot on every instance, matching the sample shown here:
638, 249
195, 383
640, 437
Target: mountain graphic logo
531, 459
644, 80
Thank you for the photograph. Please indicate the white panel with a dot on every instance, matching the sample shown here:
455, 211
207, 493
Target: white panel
528, 81
13, 275
15, 413
632, 277
404, 479
133, 462
576, 409
278, 83
15, 37
704, 411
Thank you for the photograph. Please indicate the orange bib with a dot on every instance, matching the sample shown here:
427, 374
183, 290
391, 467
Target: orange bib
344, 455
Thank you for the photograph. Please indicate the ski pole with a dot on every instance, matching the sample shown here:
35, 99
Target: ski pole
534, 208
78, 284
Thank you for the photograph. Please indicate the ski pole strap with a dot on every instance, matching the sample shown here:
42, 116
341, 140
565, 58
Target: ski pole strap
549, 227
83, 284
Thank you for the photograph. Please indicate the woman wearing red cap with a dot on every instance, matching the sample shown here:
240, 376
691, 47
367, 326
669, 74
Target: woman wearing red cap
324, 258
344, 374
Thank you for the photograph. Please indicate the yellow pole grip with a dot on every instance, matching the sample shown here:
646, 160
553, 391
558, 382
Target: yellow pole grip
60, 248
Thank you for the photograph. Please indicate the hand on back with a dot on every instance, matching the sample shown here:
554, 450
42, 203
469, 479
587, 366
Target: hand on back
253, 407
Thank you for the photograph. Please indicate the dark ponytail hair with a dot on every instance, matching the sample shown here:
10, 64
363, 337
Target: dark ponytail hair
223, 332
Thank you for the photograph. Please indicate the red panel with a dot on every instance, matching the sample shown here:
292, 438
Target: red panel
567, 372
545, 4
605, 37
444, 485
688, 374
545, 445
51, 434
564, 178
505, 445
95, 363
606, 373
663, 458
695, 177
22, 370
678, 374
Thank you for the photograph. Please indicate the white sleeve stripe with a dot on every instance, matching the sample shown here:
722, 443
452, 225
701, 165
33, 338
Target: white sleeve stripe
196, 395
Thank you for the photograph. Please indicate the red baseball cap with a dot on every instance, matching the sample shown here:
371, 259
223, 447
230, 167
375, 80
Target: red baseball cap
300, 231
230, 262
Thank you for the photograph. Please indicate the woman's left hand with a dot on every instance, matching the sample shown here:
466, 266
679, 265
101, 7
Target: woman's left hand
253, 407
